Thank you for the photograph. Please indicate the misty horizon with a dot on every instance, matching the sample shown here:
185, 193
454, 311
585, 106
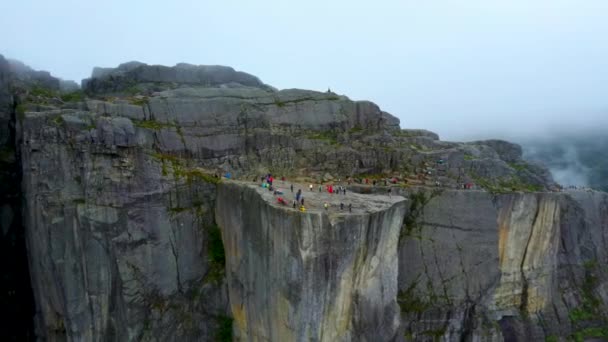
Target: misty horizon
466, 70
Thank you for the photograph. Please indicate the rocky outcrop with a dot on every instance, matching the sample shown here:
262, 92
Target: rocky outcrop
516, 267
319, 275
118, 235
121, 202
23, 75
15, 291
112, 80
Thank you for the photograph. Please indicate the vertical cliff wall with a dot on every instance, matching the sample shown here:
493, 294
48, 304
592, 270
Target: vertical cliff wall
16, 298
120, 207
516, 267
118, 235
313, 276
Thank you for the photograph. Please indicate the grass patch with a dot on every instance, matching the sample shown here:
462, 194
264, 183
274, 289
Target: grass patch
167, 161
581, 314
197, 174
506, 185
132, 90
139, 101
519, 166
180, 171
469, 157
589, 309
435, 334
279, 103
42, 92
418, 147
411, 303
598, 332
418, 201
152, 124
58, 120
356, 129
75, 96
329, 136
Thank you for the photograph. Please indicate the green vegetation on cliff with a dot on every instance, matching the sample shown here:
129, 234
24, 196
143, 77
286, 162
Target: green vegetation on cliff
506, 185
224, 331
216, 254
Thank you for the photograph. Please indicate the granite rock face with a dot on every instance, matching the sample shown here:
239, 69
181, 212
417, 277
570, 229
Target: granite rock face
515, 267
120, 201
118, 236
321, 275
111, 80
15, 289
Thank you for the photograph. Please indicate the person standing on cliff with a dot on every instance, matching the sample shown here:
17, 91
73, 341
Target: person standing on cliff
310, 187
291, 187
302, 200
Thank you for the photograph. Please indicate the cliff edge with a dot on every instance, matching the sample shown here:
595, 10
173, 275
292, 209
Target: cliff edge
132, 233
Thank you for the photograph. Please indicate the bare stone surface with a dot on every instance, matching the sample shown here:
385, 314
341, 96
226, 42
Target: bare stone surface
120, 199
310, 276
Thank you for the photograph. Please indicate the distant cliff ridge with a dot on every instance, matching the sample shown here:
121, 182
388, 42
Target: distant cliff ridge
131, 234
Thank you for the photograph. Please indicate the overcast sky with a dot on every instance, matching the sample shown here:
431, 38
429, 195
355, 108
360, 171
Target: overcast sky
464, 68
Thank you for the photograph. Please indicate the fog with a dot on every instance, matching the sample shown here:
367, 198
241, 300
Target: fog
466, 69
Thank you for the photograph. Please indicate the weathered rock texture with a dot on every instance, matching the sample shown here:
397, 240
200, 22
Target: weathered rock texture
120, 203
518, 267
16, 298
117, 238
313, 276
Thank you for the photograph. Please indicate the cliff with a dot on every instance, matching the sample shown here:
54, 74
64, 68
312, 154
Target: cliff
518, 267
132, 235
322, 275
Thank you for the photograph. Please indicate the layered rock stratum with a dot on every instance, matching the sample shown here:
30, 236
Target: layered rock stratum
132, 234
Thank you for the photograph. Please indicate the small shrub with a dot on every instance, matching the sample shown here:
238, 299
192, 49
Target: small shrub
583, 335
42, 92
329, 136
58, 120
216, 246
279, 103
139, 101
355, 129
506, 185
411, 303
75, 96
521, 166
224, 331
